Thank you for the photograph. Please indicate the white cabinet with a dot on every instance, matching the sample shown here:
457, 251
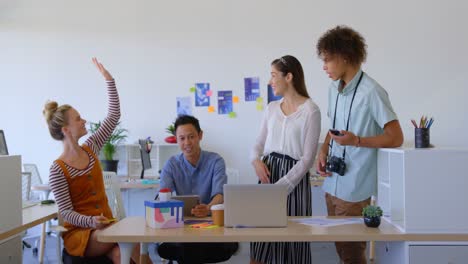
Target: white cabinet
130, 158
11, 251
10, 207
422, 252
424, 190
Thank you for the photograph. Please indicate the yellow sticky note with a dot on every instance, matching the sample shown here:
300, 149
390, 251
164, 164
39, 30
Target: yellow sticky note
192, 89
259, 107
232, 115
235, 99
259, 99
211, 109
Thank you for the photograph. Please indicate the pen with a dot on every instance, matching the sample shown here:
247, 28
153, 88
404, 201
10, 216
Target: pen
430, 123
414, 123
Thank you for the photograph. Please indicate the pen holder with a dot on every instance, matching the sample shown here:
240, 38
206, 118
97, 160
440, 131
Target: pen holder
421, 138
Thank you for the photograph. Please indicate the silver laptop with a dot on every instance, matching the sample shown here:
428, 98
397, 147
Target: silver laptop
255, 205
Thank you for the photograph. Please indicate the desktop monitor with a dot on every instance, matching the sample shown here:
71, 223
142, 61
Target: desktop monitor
3, 145
145, 150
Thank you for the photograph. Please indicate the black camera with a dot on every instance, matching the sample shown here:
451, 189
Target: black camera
335, 164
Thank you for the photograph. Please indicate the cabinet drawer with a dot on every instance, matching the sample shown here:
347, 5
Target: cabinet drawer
438, 254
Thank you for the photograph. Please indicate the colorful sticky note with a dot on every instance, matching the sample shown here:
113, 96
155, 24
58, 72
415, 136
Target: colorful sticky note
192, 89
201, 225
209, 93
211, 109
232, 114
259, 107
259, 99
235, 99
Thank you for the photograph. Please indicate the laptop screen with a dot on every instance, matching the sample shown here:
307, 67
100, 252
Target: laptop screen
3, 145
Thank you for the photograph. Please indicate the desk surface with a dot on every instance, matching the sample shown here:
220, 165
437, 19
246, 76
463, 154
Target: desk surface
138, 184
134, 229
32, 216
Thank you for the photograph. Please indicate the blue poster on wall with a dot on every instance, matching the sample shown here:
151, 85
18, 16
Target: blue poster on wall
252, 88
201, 97
271, 96
184, 106
224, 102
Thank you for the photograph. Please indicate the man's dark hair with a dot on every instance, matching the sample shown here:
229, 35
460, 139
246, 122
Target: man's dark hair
345, 42
187, 119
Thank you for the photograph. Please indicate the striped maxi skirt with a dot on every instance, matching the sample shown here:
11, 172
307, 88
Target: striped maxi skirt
299, 204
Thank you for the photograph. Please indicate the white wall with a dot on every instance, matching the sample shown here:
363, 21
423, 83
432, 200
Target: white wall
157, 49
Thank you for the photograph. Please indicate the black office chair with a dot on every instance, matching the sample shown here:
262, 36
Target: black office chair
197, 252
68, 259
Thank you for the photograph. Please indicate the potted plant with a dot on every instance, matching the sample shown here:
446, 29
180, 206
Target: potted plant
372, 214
172, 138
109, 148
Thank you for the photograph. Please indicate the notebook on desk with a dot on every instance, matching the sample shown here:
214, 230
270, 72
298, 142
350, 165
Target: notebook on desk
255, 205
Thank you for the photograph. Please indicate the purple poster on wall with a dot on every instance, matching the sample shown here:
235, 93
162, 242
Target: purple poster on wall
252, 88
224, 102
201, 98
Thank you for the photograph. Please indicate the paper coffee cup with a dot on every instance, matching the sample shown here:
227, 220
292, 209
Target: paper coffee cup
217, 213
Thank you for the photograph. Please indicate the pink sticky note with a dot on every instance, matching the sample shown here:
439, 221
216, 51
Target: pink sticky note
209, 93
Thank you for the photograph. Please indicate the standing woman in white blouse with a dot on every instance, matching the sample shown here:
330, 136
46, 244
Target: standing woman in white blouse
284, 153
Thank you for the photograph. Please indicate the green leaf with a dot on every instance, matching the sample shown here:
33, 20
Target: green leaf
372, 211
118, 136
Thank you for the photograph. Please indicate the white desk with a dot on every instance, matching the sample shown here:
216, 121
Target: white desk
134, 230
32, 216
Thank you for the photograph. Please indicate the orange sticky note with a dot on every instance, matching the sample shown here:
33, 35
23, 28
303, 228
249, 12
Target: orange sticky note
211, 109
235, 99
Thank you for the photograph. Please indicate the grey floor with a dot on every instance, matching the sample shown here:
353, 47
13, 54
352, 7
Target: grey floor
323, 253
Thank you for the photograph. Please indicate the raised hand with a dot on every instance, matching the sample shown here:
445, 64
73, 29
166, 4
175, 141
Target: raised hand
103, 70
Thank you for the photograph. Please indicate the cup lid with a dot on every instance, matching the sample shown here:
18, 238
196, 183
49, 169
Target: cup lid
165, 190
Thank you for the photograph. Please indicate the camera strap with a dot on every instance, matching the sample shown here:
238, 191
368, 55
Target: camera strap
349, 114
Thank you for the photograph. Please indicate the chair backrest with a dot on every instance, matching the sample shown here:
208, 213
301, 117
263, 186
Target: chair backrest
35, 176
26, 186
232, 176
112, 186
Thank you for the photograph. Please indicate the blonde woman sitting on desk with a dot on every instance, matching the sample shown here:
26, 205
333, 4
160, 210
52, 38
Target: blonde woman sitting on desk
76, 176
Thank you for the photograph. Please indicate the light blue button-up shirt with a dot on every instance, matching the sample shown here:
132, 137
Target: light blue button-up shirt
206, 179
370, 112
